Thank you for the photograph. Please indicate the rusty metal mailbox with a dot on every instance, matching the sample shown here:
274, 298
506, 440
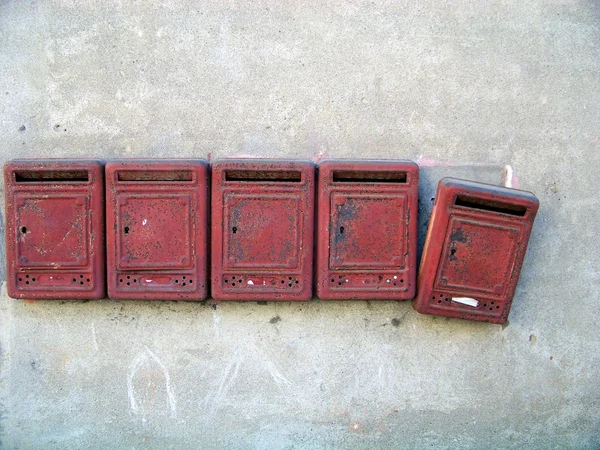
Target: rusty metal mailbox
262, 230
367, 230
55, 229
156, 222
475, 245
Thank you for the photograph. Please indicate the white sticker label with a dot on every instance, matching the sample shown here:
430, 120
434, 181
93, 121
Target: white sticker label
466, 301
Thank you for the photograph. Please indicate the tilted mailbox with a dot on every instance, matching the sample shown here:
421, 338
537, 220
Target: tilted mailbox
475, 246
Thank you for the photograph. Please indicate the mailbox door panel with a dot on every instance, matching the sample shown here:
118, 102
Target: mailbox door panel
53, 230
367, 231
155, 231
264, 231
478, 256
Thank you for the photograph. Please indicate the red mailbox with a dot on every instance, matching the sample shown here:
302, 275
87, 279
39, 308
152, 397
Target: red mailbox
475, 245
262, 230
157, 229
55, 229
367, 230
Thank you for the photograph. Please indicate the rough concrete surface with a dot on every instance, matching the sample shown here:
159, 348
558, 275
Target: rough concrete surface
466, 82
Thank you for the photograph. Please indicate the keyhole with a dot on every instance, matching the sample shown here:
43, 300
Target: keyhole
341, 230
126, 230
452, 251
234, 229
23, 230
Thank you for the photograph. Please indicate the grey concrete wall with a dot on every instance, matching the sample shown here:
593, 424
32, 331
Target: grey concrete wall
492, 83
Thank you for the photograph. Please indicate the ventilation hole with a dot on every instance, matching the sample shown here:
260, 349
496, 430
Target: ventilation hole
128, 277
341, 230
233, 284
290, 285
401, 280
190, 281
33, 279
395, 284
282, 281
233, 278
439, 301
27, 282
441, 295
23, 230
120, 280
446, 299
126, 230
491, 309
88, 280
296, 281
234, 229
20, 279
80, 276
485, 305
226, 280
135, 280
340, 277
433, 298
183, 284
183, 277
497, 307
75, 281
333, 280
81, 283
26, 276
340, 283
492, 303
128, 283
380, 277
176, 281
289, 278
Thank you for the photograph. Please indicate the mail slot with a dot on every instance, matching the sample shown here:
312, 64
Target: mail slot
157, 229
262, 230
55, 229
475, 246
367, 230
